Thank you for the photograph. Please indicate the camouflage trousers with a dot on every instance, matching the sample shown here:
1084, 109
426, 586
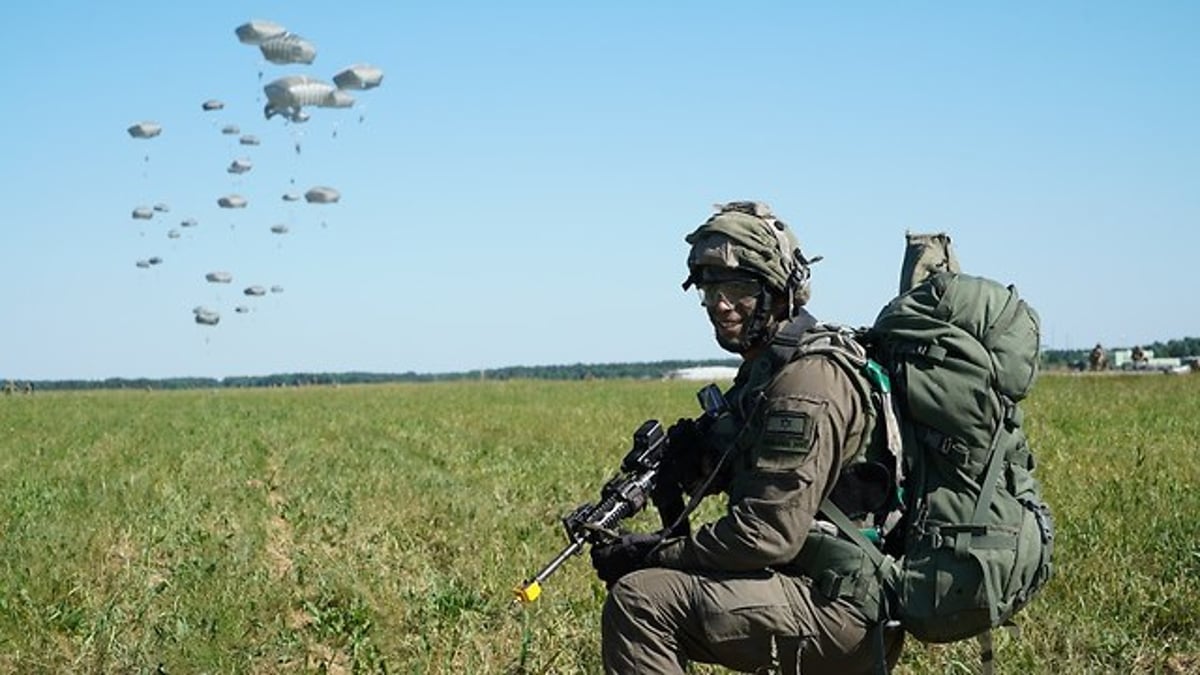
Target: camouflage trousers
657, 620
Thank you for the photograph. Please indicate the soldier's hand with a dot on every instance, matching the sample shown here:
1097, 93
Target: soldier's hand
623, 555
692, 457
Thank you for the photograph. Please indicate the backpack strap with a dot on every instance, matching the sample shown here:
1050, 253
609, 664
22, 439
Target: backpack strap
786, 340
881, 562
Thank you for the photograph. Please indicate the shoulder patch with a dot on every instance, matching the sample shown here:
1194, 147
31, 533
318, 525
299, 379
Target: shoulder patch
788, 431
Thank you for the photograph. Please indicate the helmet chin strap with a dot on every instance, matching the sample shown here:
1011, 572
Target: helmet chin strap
757, 329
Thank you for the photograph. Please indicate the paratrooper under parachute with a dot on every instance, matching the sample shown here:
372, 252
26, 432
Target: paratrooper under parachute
145, 130
287, 96
322, 195
239, 166
206, 316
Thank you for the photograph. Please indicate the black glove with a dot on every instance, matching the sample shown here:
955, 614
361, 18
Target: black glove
624, 555
685, 437
686, 448
692, 456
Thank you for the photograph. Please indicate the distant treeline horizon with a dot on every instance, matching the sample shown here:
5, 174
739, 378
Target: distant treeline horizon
1052, 359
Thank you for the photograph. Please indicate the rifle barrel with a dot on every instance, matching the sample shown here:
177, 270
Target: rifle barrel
530, 590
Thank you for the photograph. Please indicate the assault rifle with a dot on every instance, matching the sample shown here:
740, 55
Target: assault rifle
623, 496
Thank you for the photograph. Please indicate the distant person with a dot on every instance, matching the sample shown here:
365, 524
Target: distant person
1138, 357
747, 591
1098, 359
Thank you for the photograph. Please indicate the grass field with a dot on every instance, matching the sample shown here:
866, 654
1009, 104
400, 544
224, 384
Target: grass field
382, 528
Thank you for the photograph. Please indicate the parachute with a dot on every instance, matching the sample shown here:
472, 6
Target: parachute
359, 76
288, 48
206, 316
255, 31
322, 195
290, 95
144, 130
240, 166
287, 95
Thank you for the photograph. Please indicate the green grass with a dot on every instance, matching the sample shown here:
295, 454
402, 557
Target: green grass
382, 528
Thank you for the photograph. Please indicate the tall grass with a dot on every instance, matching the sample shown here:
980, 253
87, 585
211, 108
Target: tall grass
382, 528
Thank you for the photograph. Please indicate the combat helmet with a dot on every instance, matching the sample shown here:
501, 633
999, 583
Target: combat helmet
746, 237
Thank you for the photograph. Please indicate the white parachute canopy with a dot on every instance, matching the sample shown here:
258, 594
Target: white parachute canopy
255, 31
218, 277
322, 195
277, 289
188, 222
155, 260
288, 48
173, 234
145, 130
279, 229
162, 207
144, 264
206, 316
240, 166
249, 139
232, 202
212, 104
231, 130
287, 95
256, 291
291, 197
143, 213
359, 76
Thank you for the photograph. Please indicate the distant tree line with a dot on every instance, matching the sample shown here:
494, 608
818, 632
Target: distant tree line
1051, 358
578, 371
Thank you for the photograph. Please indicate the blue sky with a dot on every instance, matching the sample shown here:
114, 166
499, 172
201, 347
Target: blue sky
517, 191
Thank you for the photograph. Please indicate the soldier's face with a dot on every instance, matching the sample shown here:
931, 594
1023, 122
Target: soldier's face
729, 305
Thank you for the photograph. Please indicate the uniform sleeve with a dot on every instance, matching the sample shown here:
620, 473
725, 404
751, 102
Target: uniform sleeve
798, 438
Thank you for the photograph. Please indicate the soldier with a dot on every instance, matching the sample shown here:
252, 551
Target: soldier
1098, 359
749, 591
1138, 357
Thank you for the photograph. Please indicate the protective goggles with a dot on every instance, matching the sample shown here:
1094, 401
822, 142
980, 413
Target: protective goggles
731, 291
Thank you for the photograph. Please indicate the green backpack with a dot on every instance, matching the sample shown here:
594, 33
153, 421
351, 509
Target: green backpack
962, 351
